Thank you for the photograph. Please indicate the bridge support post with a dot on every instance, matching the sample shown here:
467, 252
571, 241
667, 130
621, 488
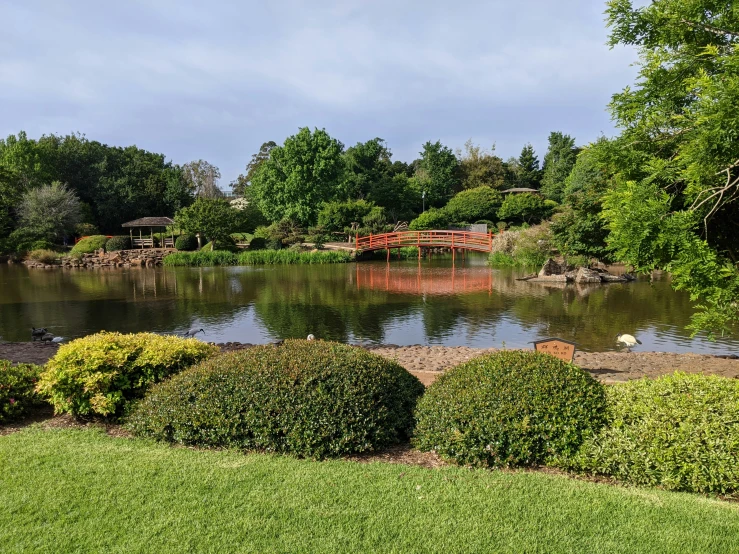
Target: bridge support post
387, 249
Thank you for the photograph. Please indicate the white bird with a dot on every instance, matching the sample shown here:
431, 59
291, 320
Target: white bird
629, 341
192, 332
311, 337
48, 337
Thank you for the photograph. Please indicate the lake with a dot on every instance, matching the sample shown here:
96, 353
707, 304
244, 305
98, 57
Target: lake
403, 303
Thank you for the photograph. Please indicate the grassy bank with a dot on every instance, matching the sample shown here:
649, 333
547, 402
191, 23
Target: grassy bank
256, 257
83, 491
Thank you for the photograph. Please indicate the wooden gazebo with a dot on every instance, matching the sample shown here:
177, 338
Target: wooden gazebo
151, 223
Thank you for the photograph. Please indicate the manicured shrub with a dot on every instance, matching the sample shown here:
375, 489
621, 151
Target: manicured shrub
90, 244
680, 432
471, 204
115, 244
257, 243
431, 219
186, 243
510, 408
308, 398
17, 389
99, 374
43, 255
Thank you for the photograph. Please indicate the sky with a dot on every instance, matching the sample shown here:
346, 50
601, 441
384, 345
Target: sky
214, 80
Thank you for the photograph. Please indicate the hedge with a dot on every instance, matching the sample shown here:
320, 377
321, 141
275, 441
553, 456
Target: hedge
17, 389
100, 373
308, 398
118, 243
511, 408
186, 243
680, 432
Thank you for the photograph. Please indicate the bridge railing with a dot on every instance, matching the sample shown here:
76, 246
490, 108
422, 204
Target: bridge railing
445, 239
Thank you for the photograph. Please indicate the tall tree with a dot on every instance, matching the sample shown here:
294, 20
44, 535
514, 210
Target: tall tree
299, 176
479, 167
558, 163
528, 170
212, 217
50, 211
674, 205
202, 177
367, 165
438, 173
242, 182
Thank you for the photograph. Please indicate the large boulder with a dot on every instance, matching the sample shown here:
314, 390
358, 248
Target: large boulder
551, 268
585, 275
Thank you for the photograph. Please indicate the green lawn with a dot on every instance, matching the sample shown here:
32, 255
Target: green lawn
82, 491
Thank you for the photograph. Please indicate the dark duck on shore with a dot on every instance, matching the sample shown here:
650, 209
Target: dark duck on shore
38, 333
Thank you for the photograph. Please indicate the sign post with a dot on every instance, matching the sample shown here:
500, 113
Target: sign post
559, 348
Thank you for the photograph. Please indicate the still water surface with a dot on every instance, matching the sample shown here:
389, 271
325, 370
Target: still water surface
403, 303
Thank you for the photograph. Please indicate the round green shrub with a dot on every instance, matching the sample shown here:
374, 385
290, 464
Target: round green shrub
186, 243
115, 244
511, 408
679, 432
90, 244
17, 389
257, 243
308, 398
100, 373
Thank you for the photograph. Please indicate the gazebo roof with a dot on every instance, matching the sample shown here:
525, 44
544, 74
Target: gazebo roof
519, 190
149, 222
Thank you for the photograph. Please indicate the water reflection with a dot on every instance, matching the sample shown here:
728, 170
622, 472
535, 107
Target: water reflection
404, 303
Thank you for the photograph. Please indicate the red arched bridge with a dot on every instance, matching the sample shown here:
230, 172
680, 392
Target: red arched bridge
456, 240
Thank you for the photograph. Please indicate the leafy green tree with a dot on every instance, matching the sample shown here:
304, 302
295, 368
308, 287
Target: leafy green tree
51, 212
431, 219
338, 217
400, 196
474, 204
299, 176
479, 167
528, 172
677, 160
524, 208
212, 217
242, 182
579, 228
558, 163
367, 164
438, 173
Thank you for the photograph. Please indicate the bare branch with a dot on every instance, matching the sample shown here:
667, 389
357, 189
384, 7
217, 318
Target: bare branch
710, 28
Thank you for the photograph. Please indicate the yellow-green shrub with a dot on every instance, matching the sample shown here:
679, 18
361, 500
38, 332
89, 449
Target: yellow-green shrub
17, 392
90, 244
680, 432
307, 398
99, 374
43, 255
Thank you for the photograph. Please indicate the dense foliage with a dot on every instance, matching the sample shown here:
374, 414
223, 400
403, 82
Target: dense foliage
212, 217
680, 432
676, 174
474, 204
186, 243
51, 212
558, 163
313, 399
114, 184
89, 245
525, 208
299, 176
17, 389
100, 373
511, 408
431, 219
120, 242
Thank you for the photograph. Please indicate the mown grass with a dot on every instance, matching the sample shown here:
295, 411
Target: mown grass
205, 258
82, 491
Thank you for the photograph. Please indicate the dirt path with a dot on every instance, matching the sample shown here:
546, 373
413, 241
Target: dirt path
427, 362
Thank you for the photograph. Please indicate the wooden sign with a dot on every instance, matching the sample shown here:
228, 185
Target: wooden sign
559, 348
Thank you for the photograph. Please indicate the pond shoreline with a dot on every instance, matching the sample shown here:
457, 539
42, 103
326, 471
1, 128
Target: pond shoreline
428, 362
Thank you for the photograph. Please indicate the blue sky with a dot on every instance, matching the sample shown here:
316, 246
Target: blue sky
214, 80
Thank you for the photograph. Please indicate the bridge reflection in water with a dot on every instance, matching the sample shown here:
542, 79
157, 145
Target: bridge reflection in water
424, 280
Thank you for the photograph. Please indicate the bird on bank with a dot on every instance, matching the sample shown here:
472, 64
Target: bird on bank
629, 341
311, 337
36, 334
192, 332
279, 342
49, 338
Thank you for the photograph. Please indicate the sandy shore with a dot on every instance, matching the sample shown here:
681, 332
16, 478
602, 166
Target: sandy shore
427, 362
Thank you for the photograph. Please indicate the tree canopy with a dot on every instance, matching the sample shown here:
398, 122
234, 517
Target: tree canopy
558, 163
299, 176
